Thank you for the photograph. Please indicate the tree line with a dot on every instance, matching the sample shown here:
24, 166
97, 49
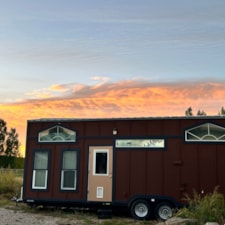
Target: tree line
9, 141
189, 112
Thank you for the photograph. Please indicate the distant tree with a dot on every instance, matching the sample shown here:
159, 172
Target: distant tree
12, 143
189, 112
3, 132
222, 111
201, 113
9, 142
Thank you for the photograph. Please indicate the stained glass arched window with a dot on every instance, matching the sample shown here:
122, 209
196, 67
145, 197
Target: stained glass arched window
207, 132
57, 134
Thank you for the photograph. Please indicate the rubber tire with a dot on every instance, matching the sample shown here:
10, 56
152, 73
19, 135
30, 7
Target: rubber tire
140, 209
163, 211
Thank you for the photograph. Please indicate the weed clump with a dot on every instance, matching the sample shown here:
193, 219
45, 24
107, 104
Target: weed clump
9, 182
207, 208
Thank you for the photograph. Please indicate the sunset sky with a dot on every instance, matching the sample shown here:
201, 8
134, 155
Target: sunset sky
110, 58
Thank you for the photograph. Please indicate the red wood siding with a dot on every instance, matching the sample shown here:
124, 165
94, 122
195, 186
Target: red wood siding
173, 171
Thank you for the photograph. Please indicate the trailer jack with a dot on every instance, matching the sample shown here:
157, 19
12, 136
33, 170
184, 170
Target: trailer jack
18, 198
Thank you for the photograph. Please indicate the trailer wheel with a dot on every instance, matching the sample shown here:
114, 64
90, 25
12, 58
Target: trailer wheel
163, 211
140, 209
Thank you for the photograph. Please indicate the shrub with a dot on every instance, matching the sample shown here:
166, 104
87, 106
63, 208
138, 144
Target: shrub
9, 182
208, 208
11, 162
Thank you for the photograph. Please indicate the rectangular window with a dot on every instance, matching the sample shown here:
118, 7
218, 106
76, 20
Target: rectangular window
99, 192
40, 171
69, 170
140, 143
101, 162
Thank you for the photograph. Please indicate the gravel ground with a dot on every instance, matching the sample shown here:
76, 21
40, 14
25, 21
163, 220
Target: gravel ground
17, 215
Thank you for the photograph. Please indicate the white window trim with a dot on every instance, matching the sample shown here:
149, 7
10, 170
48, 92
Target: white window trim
99, 192
57, 135
34, 178
62, 179
209, 134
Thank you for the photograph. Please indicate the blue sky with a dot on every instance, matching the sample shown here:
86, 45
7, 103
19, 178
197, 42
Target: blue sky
57, 42
101, 58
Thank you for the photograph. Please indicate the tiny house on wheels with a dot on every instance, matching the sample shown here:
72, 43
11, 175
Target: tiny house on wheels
145, 165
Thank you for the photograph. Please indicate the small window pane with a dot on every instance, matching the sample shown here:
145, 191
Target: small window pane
100, 192
41, 160
69, 160
101, 163
69, 179
40, 178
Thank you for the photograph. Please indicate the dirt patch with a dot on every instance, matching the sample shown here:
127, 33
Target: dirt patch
17, 215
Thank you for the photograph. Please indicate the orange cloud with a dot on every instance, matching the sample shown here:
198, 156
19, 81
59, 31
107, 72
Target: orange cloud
58, 87
134, 98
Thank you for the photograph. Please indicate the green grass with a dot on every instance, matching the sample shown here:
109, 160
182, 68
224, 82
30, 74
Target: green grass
207, 208
10, 183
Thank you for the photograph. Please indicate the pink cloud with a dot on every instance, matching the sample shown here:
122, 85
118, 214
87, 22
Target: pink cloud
133, 98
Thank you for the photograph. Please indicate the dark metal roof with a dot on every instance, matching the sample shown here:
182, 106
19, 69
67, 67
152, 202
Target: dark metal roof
125, 118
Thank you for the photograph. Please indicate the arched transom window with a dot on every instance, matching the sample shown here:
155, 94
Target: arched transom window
206, 132
57, 134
